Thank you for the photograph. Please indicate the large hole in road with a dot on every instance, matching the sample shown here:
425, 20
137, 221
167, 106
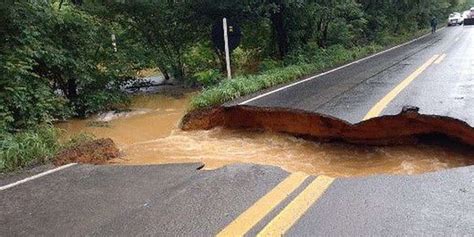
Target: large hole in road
148, 134
407, 143
219, 147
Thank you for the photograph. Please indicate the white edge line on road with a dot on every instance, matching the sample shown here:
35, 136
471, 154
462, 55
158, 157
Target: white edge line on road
36, 176
335, 69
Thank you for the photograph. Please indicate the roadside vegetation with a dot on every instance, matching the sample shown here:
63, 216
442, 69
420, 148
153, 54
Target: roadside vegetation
309, 63
34, 146
57, 60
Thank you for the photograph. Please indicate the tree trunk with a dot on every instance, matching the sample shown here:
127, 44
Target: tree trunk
178, 73
165, 74
320, 29
72, 96
323, 28
71, 90
281, 33
325, 35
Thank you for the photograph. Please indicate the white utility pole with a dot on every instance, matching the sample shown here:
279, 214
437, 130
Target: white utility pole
227, 53
114, 42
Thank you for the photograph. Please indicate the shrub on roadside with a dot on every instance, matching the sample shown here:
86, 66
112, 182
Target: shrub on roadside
269, 64
208, 77
34, 146
245, 61
27, 148
199, 61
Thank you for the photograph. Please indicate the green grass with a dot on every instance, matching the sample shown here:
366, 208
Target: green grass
319, 61
33, 146
27, 148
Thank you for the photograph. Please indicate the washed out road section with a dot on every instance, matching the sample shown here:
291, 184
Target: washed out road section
418, 89
149, 134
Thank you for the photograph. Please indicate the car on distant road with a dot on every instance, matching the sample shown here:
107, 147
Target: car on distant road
455, 19
469, 17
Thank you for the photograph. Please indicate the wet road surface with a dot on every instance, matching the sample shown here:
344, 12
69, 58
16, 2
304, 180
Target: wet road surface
434, 73
180, 200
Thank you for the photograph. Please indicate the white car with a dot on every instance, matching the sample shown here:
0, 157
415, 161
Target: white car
455, 19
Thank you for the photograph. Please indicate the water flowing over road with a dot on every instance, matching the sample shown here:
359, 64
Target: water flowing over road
149, 134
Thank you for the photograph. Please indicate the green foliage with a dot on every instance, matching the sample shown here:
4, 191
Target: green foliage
208, 78
269, 63
166, 27
200, 62
54, 64
27, 148
34, 146
245, 61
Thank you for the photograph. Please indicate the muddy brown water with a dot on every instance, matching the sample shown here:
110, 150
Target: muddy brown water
149, 134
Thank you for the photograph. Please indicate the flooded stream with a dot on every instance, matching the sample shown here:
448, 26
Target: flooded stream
149, 134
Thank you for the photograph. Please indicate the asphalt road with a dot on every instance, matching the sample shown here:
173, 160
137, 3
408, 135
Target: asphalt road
180, 200
439, 69
435, 73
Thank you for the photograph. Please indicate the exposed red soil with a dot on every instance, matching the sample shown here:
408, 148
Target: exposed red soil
96, 152
403, 128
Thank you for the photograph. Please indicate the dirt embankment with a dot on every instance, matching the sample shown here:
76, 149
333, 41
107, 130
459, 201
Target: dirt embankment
95, 152
404, 128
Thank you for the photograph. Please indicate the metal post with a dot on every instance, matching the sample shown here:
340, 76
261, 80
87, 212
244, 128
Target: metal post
227, 53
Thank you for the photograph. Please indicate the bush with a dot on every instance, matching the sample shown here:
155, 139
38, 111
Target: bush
27, 148
245, 61
200, 59
208, 78
269, 64
34, 146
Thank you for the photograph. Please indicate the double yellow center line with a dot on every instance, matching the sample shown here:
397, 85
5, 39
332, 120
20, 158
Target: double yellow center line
382, 104
288, 216
295, 210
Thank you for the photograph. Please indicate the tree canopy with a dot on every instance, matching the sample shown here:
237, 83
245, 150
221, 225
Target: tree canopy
57, 59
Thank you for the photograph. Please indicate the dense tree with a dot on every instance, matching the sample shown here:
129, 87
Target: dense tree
56, 58
168, 28
55, 63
